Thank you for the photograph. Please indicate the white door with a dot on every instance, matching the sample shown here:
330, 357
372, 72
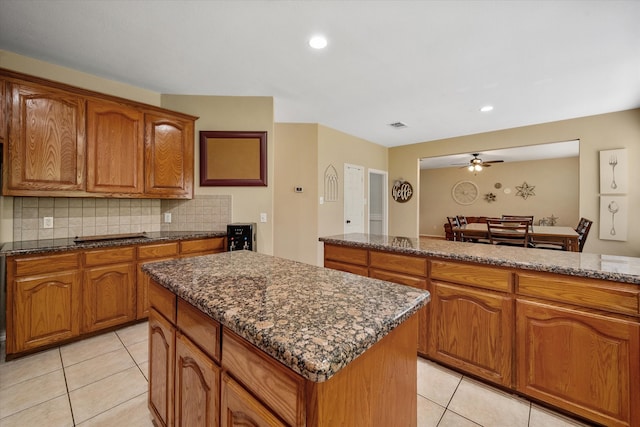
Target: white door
353, 199
378, 184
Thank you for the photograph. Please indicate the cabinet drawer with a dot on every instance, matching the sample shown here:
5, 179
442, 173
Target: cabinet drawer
279, 388
403, 279
202, 245
349, 268
162, 300
599, 294
399, 263
346, 254
109, 256
201, 329
472, 275
46, 264
161, 250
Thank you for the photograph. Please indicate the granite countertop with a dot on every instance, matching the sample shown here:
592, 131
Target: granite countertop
312, 319
582, 264
32, 247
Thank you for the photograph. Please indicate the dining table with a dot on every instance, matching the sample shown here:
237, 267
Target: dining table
566, 237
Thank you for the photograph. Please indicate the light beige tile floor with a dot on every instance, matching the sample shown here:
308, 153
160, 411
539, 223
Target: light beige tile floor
102, 381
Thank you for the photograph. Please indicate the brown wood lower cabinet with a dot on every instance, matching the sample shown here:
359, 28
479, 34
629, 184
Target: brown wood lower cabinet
47, 310
162, 344
56, 298
471, 329
579, 360
571, 342
240, 408
197, 386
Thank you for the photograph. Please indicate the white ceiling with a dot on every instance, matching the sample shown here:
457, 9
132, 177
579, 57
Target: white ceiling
429, 64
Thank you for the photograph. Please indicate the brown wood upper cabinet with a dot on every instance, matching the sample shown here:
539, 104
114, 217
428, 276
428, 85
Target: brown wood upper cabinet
46, 141
115, 147
168, 155
64, 141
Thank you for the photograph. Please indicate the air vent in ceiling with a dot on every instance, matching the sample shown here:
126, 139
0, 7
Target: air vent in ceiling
398, 125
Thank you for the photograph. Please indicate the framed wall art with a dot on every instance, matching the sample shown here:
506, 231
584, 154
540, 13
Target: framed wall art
233, 158
613, 217
613, 171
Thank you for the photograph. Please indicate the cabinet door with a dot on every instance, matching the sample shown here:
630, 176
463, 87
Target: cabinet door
197, 386
472, 329
199, 247
115, 147
579, 361
162, 344
240, 408
47, 309
46, 141
168, 156
108, 296
415, 282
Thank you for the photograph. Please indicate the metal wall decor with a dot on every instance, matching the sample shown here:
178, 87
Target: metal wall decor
525, 190
330, 184
490, 197
465, 192
401, 191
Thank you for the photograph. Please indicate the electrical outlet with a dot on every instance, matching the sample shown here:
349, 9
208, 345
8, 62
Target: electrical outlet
47, 222
263, 217
167, 217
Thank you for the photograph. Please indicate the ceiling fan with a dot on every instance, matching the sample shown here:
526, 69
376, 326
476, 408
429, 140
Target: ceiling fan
476, 164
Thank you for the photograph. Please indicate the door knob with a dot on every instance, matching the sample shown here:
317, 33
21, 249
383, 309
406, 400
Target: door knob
348, 221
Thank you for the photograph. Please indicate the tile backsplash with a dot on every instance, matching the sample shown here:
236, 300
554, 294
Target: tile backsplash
92, 216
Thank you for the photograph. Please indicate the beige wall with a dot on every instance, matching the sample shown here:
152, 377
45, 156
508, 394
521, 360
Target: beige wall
337, 148
295, 215
236, 113
601, 132
556, 192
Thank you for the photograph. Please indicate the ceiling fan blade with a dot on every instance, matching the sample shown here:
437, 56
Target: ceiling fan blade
493, 161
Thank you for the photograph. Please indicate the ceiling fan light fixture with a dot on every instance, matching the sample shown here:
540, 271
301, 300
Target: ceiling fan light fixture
486, 108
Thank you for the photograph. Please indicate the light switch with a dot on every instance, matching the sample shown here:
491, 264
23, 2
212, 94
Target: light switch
263, 217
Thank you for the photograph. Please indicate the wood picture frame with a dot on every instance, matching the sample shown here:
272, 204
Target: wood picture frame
233, 158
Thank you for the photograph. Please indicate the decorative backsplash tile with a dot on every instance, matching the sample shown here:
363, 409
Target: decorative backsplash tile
91, 216
202, 213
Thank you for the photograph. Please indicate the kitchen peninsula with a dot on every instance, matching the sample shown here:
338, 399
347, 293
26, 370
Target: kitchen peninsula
559, 327
260, 340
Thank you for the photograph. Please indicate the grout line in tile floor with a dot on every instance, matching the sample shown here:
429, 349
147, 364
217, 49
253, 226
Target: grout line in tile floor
465, 401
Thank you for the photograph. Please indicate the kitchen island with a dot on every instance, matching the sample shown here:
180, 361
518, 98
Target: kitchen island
282, 342
562, 328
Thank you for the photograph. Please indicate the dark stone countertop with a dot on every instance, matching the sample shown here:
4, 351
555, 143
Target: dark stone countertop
581, 264
314, 320
32, 247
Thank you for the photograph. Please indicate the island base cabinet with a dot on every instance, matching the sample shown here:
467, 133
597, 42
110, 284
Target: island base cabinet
472, 330
197, 386
241, 409
580, 361
162, 343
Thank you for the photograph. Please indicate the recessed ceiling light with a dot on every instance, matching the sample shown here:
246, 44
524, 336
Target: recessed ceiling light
318, 42
486, 108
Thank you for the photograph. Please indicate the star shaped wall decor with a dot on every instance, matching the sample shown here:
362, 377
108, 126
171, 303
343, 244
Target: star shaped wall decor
525, 190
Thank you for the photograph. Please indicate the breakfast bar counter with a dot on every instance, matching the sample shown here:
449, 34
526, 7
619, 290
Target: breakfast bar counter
332, 334
535, 321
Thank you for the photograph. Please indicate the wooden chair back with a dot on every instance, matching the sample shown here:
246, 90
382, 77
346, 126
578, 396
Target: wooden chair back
453, 222
583, 231
513, 232
520, 217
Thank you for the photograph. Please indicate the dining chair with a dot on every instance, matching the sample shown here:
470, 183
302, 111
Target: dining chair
453, 222
521, 217
512, 232
584, 225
